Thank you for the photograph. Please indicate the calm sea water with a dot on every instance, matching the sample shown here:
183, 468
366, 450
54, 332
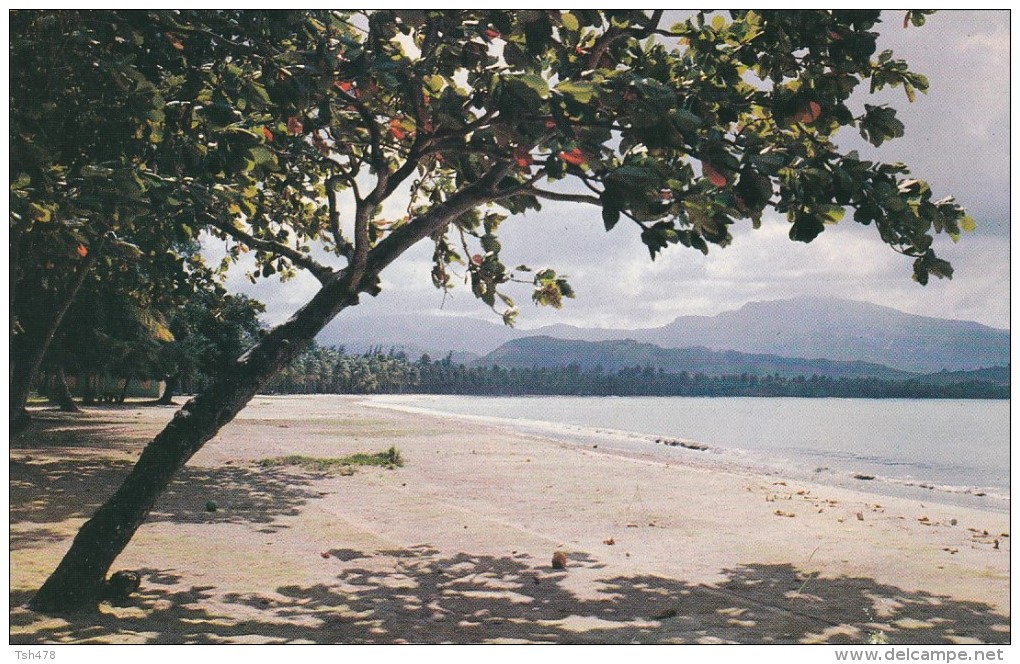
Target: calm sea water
953, 446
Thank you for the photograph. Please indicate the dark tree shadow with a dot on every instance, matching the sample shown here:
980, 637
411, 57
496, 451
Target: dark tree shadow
55, 491
43, 490
66, 433
425, 597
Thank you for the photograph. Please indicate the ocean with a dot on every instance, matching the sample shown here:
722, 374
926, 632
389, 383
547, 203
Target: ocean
955, 450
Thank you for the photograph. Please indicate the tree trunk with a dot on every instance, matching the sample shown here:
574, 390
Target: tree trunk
167, 398
123, 391
88, 390
77, 581
25, 361
62, 394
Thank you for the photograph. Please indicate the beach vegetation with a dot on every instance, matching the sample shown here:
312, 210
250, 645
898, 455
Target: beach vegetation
331, 142
345, 465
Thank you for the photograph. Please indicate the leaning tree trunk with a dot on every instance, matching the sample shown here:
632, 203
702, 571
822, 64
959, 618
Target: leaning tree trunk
62, 394
78, 580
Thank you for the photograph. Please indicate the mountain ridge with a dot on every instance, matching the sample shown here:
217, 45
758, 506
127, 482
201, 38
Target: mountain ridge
802, 327
541, 351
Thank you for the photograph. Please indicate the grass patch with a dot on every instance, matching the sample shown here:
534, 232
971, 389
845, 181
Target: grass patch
391, 458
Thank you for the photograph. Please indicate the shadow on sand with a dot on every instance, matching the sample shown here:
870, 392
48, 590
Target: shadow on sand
50, 483
421, 595
428, 598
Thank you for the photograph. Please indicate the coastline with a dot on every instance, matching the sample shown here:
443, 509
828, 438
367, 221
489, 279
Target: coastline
698, 452
456, 545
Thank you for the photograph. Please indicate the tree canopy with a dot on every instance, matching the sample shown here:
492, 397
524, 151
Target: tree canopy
333, 141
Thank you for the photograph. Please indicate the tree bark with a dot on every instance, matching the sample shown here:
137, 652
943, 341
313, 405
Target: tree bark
167, 398
88, 389
77, 582
123, 392
62, 394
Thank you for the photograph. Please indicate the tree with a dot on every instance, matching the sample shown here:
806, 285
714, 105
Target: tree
290, 130
209, 331
85, 131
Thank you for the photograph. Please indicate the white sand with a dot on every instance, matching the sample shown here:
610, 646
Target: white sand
456, 545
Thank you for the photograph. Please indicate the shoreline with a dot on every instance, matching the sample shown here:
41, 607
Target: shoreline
455, 546
700, 453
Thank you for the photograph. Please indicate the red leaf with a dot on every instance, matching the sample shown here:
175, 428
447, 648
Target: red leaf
477, 259
175, 41
268, 134
522, 156
575, 157
492, 34
294, 125
397, 131
808, 113
82, 250
714, 176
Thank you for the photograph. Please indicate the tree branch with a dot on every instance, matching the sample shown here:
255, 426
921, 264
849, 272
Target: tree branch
321, 272
400, 240
570, 198
342, 245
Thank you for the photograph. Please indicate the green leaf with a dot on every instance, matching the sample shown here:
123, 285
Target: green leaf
261, 155
569, 21
536, 83
581, 91
684, 120
880, 124
806, 227
967, 223
610, 216
831, 214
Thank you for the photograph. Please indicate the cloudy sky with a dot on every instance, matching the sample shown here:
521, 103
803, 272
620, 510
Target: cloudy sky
957, 138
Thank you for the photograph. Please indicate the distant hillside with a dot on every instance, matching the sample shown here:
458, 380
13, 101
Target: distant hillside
832, 329
547, 352
434, 334
841, 330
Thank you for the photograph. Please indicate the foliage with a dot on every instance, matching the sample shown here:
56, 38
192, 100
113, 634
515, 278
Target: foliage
390, 458
393, 373
283, 130
323, 370
287, 132
209, 331
134, 132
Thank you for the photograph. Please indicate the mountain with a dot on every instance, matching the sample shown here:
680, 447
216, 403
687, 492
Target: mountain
548, 352
833, 329
434, 334
842, 330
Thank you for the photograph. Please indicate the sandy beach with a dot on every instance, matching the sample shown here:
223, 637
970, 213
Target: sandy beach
456, 545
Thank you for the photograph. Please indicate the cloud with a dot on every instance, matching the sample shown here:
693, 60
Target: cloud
956, 137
